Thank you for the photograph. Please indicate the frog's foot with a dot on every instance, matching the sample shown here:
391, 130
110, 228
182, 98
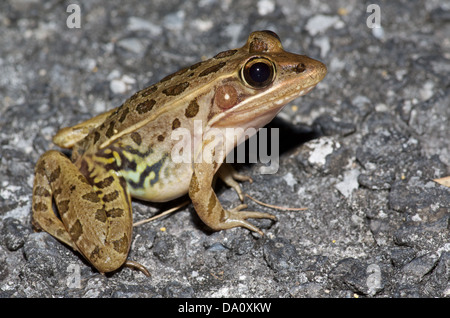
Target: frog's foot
229, 176
235, 217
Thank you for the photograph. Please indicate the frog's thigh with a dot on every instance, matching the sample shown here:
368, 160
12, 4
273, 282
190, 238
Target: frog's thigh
43, 217
68, 136
96, 220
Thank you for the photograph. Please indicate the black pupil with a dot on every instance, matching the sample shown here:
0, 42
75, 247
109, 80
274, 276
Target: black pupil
259, 72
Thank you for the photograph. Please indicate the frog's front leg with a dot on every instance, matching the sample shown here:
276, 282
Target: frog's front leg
209, 208
95, 216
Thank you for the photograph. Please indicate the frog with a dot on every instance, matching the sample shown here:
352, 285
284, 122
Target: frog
127, 152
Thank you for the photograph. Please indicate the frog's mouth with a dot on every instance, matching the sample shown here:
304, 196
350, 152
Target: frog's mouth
257, 115
240, 124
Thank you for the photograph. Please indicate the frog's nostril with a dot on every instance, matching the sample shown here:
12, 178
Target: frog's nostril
300, 68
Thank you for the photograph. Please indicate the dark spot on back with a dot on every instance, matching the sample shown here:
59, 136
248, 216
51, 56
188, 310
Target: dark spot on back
110, 130
96, 136
176, 89
124, 114
130, 166
192, 109
136, 137
176, 124
193, 67
212, 69
145, 106
147, 91
225, 54
116, 110
160, 138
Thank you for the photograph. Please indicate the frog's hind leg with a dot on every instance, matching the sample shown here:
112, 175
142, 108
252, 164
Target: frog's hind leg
43, 217
95, 215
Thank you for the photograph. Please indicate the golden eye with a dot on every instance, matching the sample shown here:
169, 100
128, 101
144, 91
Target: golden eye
258, 72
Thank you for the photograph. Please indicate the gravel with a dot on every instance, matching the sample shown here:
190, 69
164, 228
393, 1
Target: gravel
360, 151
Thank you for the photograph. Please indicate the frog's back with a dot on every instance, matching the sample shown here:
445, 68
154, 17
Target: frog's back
135, 138
151, 102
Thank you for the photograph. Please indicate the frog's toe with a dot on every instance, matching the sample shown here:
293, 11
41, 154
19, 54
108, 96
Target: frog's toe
137, 266
236, 217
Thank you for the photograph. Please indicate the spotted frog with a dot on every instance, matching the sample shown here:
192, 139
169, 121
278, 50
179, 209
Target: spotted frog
128, 151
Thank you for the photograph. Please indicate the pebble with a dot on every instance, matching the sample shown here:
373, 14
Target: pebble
320, 149
423, 236
175, 289
168, 249
133, 45
265, 7
349, 183
280, 254
414, 271
402, 255
14, 234
122, 84
136, 24
357, 276
329, 126
320, 23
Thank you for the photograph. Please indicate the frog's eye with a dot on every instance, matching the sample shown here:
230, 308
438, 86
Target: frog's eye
258, 72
